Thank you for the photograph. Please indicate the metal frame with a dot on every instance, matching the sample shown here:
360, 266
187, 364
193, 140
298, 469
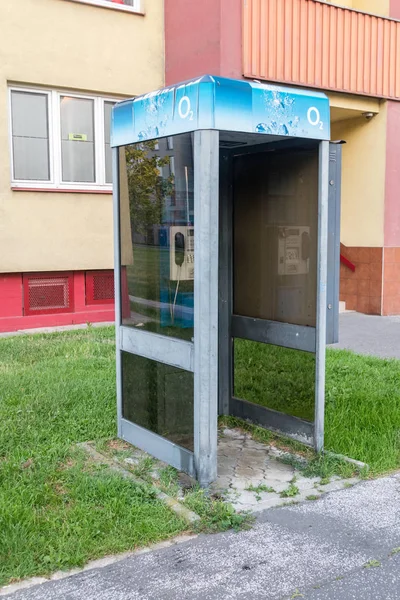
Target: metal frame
210, 358
117, 283
298, 429
163, 449
298, 337
322, 275
200, 357
332, 316
168, 350
206, 191
225, 296
172, 351
308, 339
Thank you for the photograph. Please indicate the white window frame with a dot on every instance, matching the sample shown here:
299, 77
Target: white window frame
136, 8
54, 127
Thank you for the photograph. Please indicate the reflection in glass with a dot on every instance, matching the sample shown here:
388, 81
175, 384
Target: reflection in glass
107, 132
157, 236
77, 139
30, 136
275, 236
279, 378
158, 397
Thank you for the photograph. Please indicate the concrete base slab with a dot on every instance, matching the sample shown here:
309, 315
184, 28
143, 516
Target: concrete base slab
252, 477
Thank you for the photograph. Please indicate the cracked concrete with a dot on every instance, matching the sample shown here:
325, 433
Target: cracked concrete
247, 468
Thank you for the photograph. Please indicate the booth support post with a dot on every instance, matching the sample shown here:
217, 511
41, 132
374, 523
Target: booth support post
117, 283
206, 209
322, 277
225, 284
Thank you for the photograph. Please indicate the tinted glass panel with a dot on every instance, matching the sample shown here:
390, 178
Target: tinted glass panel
279, 378
77, 140
157, 236
275, 236
30, 136
159, 398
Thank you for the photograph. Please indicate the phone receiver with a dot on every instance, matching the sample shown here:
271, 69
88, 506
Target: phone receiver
179, 248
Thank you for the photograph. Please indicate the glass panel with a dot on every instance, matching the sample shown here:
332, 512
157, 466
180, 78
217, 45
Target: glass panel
279, 378
77, 140
159, 398
31, 159
275, 236
107, 132
157, 236
30, 136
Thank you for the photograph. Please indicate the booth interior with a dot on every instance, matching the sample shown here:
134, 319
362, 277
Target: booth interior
224, 304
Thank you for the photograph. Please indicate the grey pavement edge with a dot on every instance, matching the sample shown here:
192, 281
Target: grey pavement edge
369, 334
316, 550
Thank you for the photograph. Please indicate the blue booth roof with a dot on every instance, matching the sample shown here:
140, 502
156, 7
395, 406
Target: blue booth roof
210, 102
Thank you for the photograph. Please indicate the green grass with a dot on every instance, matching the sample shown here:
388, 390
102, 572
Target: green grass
57, 509
362, 397
280, 378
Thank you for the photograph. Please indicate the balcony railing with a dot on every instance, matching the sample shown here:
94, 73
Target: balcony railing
310, 43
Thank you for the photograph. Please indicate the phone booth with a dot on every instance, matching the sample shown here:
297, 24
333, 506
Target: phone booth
226, 213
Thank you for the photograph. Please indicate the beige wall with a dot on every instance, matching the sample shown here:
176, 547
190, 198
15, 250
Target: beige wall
64, 44
363, 178
377, 7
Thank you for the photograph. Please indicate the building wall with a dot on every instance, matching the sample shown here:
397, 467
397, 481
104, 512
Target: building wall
363, 178
66, 44
202, 38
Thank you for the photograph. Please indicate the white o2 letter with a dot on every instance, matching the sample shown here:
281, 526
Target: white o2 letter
184, 107
313, 116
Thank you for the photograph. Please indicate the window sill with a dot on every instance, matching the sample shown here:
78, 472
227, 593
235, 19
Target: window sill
60, 190
112, 6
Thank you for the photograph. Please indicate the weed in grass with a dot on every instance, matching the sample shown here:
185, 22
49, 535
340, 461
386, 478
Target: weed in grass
325, 481
143, 468
365, 473
215, 514
312, 497
168, 478
371, 564
260, 488
291, 491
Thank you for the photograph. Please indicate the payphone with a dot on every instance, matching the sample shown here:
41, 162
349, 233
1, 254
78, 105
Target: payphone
181, 253
230, 245
293, 249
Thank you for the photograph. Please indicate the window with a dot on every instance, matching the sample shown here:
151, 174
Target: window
60, 140
127, 5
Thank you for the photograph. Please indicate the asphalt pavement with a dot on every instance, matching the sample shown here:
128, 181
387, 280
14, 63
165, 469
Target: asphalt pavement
369, 334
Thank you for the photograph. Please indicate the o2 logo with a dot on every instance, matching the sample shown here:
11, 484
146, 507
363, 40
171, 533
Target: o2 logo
184, 108
314, 118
